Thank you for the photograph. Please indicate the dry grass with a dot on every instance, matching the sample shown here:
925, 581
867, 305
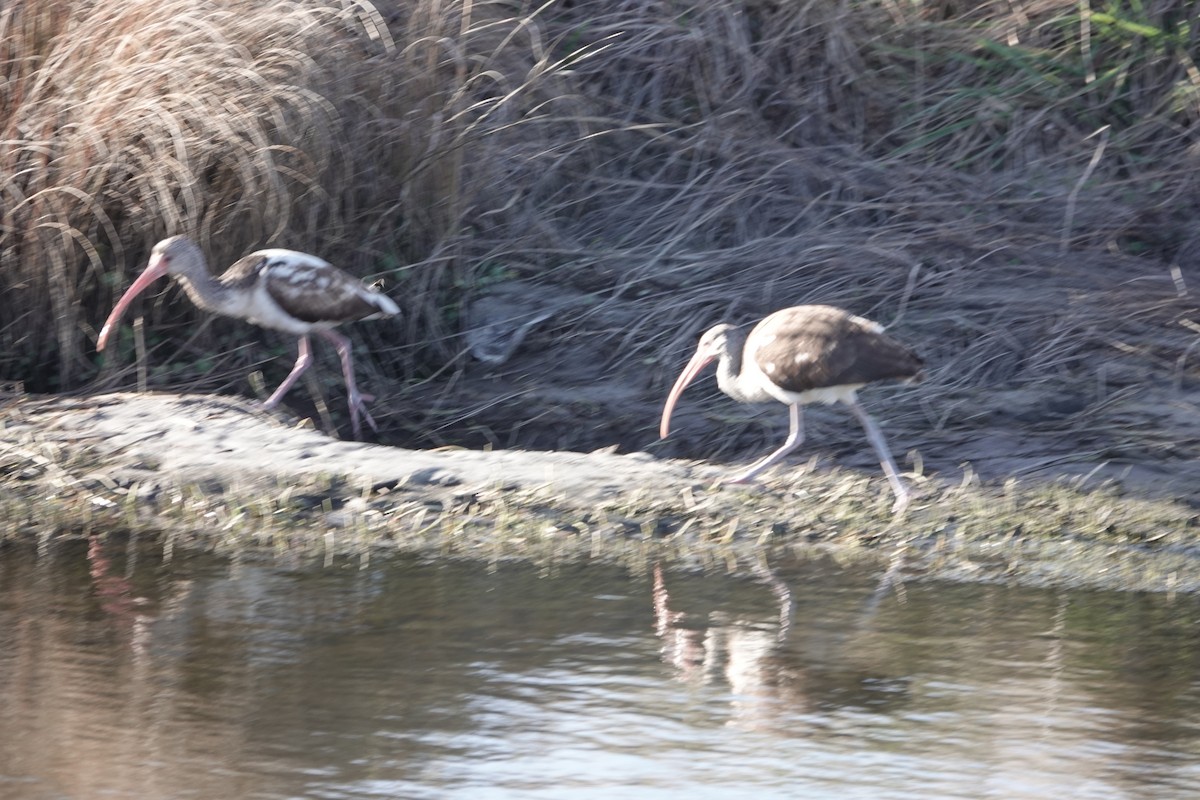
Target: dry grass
993, 177
322, 126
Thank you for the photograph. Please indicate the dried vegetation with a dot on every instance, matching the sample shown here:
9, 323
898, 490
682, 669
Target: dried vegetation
1011, 186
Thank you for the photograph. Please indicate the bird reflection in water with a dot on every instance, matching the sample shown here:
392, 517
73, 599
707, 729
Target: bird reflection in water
115, 594
747, 654
788, 676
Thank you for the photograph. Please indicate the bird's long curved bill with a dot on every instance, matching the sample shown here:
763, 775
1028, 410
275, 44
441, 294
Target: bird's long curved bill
156, 269
699, 361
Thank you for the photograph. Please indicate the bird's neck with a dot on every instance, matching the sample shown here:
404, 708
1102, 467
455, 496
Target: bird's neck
745, 385
205, 290
731, 377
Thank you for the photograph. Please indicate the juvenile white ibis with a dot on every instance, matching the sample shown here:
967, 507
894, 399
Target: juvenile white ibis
279, 289
799, 355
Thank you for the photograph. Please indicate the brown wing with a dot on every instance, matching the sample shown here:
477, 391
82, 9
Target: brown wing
813, 347
245, 272
312, 291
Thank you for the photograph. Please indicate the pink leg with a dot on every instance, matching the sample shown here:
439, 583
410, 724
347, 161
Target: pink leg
794, 440
885, 457
356, 400
302, 362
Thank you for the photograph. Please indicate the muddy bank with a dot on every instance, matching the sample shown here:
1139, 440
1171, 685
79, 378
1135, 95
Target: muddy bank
220, 472
222, 441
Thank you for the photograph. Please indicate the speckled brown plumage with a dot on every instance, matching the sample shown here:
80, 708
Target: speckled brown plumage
284, 290
799, 355
816, 347
311, 292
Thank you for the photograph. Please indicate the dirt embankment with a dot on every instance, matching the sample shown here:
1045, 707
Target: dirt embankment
223, 443
220, 471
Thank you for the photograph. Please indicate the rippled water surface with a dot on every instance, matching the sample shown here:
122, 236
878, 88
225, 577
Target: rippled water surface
124, 676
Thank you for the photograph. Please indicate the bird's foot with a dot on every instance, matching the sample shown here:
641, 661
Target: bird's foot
358, 407
738, 480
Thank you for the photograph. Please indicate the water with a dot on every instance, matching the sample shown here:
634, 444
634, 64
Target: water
124, 676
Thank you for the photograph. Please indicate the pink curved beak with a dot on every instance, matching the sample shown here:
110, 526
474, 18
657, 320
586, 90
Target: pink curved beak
699, 361
155, 270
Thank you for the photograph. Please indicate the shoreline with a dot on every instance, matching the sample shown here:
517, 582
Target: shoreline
218, 472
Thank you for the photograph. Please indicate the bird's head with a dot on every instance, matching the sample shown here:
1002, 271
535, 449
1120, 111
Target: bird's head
173, 256
713, 344
168, 254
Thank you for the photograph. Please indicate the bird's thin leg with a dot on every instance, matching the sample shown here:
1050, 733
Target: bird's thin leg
794, 440
885, 456
302, 362
354, 397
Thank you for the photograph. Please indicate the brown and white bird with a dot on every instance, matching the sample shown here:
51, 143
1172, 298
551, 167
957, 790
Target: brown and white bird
799, 355
278, 289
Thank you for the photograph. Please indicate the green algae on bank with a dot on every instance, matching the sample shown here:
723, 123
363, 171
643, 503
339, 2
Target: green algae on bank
216, 473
